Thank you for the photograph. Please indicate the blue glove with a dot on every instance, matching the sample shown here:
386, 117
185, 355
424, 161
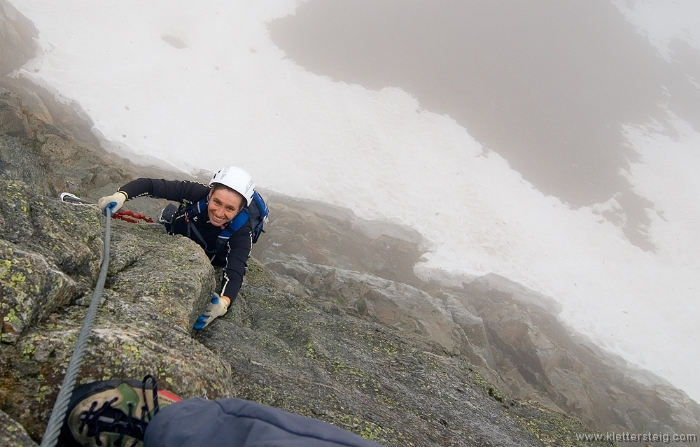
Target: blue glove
215, 308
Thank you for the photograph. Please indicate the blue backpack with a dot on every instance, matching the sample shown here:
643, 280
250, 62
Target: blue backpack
256, 213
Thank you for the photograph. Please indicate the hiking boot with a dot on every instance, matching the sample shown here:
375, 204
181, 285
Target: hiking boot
113, 412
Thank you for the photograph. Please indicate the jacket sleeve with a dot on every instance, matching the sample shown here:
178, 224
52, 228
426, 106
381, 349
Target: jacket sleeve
174, 190
239, 246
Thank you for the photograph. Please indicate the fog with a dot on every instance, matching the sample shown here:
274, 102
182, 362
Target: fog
551, 143
547, 84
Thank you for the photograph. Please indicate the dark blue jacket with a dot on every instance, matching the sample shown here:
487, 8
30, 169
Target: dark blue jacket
234, 259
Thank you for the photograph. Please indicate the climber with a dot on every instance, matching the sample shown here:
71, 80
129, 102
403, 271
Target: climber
124, 412
224, 218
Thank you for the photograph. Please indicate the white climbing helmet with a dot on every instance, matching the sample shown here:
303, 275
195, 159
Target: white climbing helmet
236, 179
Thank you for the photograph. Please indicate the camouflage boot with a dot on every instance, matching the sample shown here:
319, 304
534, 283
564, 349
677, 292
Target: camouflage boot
113, 412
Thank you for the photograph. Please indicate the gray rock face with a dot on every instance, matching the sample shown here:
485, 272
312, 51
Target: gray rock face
16, 34
304, 354
331, 322
510, 335
396, 305
13, 434
375, 356
50, 254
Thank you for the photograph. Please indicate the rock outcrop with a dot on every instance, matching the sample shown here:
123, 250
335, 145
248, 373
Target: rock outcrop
16, 33
297, 347
511, 336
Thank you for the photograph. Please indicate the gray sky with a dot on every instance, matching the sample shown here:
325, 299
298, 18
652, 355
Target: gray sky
544, 83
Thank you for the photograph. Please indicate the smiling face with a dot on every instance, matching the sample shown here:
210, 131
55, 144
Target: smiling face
224, 205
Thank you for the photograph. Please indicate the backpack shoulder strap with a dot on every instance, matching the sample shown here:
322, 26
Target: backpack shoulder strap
196, 209
262, 206
258, 215
238, 221
188, 214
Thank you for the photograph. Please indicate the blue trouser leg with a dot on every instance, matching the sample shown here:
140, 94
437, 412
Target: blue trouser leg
241, 423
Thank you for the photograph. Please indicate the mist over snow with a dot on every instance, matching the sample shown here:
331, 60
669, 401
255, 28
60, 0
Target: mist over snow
201, 85
662, 22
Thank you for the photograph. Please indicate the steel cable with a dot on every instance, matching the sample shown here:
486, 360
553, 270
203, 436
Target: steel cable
58, 414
